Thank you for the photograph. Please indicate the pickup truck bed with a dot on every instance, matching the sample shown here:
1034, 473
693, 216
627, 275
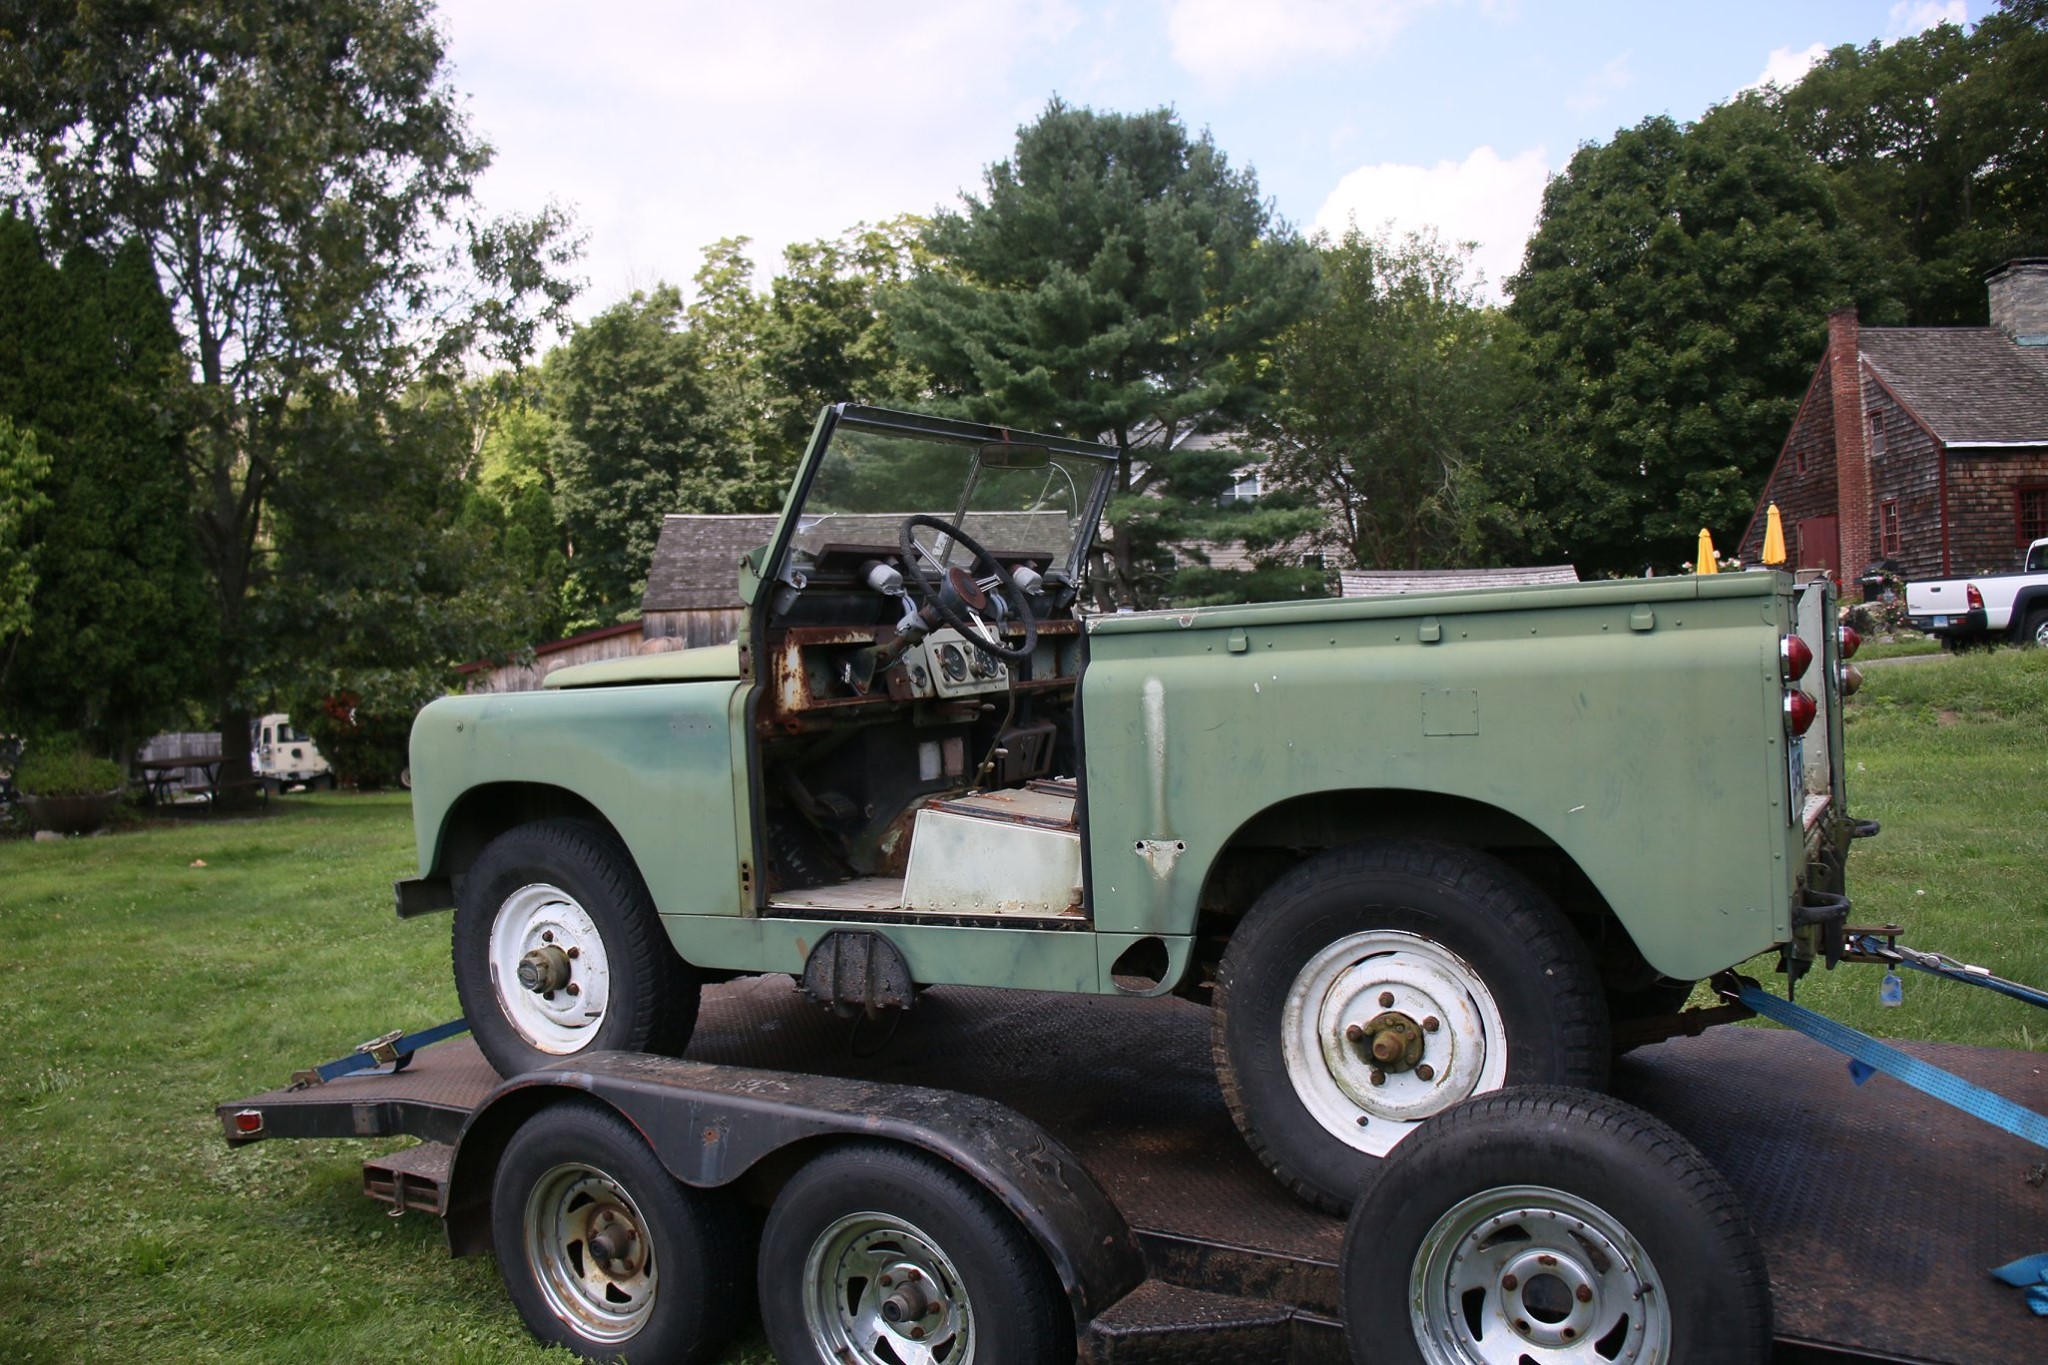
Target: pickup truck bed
1880, 1210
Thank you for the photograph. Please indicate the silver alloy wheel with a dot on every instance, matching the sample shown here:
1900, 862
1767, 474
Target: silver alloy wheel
591, 1252
1529, 1275
543, 923
2041, 633
1382, 987
879, 1291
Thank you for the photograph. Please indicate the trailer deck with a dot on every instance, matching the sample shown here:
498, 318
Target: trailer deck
1881, 1211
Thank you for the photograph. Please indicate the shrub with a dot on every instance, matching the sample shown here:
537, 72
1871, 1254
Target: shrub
66, 770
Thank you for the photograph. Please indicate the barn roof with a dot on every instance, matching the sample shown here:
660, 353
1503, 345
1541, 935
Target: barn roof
697, 559
1970, 385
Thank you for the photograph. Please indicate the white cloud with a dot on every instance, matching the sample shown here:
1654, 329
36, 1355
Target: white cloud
1482, 199
1610, 79
665, 126
1224, 40
1785, 68
1909, 17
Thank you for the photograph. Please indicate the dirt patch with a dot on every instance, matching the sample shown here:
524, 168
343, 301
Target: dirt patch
1946, 717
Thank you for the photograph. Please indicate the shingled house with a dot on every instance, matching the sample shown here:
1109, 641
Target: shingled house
1926, 447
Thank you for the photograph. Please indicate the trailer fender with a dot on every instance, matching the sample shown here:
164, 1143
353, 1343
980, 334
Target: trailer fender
709, 1125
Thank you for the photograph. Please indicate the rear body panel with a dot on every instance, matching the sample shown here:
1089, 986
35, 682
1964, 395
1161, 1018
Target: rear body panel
1636, 725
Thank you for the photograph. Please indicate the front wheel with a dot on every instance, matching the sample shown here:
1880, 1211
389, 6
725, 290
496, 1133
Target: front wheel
881, 1255
602, 1250
1549, 1226
558, 951
1379, 984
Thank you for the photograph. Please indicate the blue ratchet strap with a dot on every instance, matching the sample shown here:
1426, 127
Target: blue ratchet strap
393, 1050
1868, 1055
1948, 969
2031, 1274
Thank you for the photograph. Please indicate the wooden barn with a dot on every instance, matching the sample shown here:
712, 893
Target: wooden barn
693, 581
524, 672
1925, 448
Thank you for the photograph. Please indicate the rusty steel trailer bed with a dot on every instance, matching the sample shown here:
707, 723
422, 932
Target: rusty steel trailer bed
1881, 1211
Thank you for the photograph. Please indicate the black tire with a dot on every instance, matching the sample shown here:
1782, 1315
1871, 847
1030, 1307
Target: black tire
879, 1208
575, 1173
1453, 936
569, 886
2034, 634
1615, 1198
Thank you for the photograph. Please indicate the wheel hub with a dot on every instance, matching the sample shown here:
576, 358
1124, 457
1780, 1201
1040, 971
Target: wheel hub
544, 969
1382, 1029
1528, 1275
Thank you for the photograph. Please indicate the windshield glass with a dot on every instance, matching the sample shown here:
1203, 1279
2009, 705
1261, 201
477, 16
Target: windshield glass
1018, 500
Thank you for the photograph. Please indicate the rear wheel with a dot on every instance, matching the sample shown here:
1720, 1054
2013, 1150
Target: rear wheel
1379, 984
602, 1250
881, 1255
558, 951
1548, 1226
2034, 634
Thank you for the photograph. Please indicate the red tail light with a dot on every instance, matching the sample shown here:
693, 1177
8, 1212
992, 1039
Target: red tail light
1795, 656
1800, 711
1976, 598
1851, 642
249, 1121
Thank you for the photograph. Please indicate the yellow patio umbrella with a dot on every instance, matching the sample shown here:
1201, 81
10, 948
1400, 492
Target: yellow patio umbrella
1774, 537
1707, 562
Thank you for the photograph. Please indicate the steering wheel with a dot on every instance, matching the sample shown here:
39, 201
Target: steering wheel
958, 596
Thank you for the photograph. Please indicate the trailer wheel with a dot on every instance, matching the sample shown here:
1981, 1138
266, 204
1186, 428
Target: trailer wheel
881, 1255
1379, 984
1543, 1226
558, 951
602, 1250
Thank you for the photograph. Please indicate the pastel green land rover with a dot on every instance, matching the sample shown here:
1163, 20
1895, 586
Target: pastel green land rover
1408, 849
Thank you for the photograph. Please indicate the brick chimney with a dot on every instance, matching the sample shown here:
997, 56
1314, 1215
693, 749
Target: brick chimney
2019, 300
1852, 449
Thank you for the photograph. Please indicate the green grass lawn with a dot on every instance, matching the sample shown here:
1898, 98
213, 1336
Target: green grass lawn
146, 987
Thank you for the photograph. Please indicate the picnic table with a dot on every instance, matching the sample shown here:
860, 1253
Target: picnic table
159, 776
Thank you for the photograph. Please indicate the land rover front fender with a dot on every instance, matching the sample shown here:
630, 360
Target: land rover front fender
663, 765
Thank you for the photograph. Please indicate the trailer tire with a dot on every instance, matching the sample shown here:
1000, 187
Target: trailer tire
1539, 1224
606, 976
606, 1253
867, 1212
1490, 987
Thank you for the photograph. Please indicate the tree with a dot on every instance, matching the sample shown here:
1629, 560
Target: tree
637, 436
1117, 280
1675, 294
1395, 389
22, 468
89, 360
1936, 149
301, 173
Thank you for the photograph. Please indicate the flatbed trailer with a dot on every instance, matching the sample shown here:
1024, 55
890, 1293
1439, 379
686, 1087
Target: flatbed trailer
1880, 1211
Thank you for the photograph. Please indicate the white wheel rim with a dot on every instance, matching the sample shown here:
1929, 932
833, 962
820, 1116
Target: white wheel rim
878, 1290
543, 918
1529, 1275
1361, 980
591, 1252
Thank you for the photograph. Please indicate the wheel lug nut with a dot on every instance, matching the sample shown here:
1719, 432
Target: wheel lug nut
1425, 1071
1430, 1024
1355, 1032
1546, 1259
1569, 1333
1386, 1000
574, 989
917, 1334
1379, 1077
1521, 1324
575, 953
888, 1280
1584, 1293
1508, 1282
547, 936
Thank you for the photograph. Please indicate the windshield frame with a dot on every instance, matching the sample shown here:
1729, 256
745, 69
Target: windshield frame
889, 422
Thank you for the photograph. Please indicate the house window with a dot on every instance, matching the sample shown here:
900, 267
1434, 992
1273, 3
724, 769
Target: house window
1799, 458
1888, 528
1877, 433
2033, 514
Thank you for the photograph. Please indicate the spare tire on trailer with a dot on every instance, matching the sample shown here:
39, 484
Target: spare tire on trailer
1548, 1225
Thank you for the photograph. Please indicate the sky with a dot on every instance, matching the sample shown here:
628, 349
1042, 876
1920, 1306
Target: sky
664, 125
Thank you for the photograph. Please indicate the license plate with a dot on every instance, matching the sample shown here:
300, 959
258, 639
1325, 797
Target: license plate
1940, 621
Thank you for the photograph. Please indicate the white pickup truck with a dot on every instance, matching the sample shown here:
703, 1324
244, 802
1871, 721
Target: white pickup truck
1963, 611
